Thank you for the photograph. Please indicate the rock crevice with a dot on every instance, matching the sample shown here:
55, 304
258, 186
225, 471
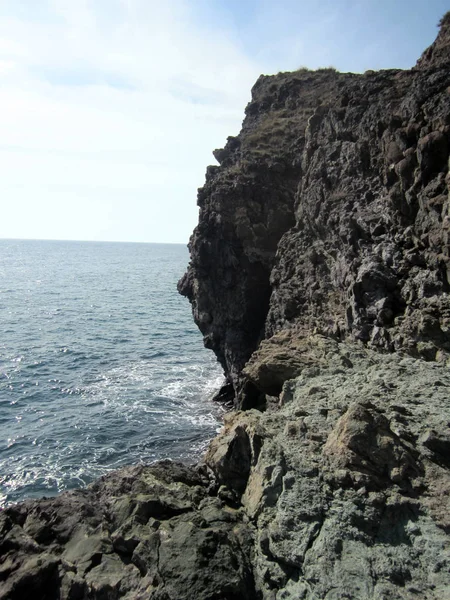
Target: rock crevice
329, 213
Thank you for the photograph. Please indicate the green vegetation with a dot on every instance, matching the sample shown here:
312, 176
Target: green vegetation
445, 20
329, 69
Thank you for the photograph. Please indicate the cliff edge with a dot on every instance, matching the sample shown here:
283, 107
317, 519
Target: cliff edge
319, 276
329, 213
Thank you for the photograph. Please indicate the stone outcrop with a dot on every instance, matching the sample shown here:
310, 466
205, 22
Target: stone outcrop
349, 488
143, 532
329, 213
246, 205
343, 491
319, 276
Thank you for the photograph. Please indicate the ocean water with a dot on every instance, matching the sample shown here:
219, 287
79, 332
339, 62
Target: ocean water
101, 364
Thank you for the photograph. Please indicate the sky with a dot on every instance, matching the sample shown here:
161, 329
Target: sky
110, 109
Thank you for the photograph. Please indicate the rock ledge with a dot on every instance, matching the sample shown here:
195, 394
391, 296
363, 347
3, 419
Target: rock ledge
341, 491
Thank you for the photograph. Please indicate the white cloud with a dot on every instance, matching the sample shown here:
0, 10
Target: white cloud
112, 100
112, 107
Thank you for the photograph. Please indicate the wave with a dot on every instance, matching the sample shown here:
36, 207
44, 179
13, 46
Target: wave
100, 364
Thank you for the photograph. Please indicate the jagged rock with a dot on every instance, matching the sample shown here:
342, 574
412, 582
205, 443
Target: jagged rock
343, 491
232, 455
330, 214
284, 356
325, 230
246, 205
141, 532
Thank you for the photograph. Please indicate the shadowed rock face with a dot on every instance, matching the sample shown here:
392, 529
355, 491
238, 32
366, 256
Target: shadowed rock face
330, 213
246, 205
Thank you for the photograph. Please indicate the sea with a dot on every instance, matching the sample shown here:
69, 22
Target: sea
101, 364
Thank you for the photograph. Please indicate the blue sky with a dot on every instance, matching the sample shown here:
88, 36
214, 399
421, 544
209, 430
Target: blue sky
110, 109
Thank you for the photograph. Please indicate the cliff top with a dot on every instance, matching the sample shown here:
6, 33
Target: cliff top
439, 52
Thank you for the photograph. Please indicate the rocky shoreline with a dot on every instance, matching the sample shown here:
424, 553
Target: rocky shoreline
319, 276
342, 491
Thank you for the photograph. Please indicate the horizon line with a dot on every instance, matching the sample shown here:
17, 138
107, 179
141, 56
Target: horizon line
20, 239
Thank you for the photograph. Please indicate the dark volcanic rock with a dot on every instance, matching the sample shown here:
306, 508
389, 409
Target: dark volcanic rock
330, 213
319, 266
342, 492
245, 206
142, 532
368, 255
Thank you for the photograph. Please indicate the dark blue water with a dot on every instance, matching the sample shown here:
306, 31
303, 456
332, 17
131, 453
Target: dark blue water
100, 363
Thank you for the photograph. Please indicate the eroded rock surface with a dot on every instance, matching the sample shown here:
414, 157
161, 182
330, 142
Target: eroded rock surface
349, 495
329, 213
343, 491
141, 532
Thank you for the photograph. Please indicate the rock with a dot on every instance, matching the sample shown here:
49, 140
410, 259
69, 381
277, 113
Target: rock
320, 277
151, 532
285, 356
232, 455
343, 490
341, 493
347, 490
328, 215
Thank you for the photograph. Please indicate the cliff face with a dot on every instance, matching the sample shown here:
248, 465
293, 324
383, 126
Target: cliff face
319, 275
329, 213
246, 205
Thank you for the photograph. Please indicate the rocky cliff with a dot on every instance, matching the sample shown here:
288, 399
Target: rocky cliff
319, 277
329, 213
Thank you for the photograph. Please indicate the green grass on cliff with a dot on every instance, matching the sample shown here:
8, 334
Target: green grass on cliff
276, 132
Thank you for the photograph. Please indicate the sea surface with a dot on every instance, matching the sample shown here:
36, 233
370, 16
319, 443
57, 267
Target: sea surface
101, 364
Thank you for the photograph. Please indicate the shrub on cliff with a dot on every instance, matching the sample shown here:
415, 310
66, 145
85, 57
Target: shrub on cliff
445, 20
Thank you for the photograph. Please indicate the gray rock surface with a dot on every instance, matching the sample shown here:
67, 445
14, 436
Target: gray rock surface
349, 488
341, 491
329, 213
319, 276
